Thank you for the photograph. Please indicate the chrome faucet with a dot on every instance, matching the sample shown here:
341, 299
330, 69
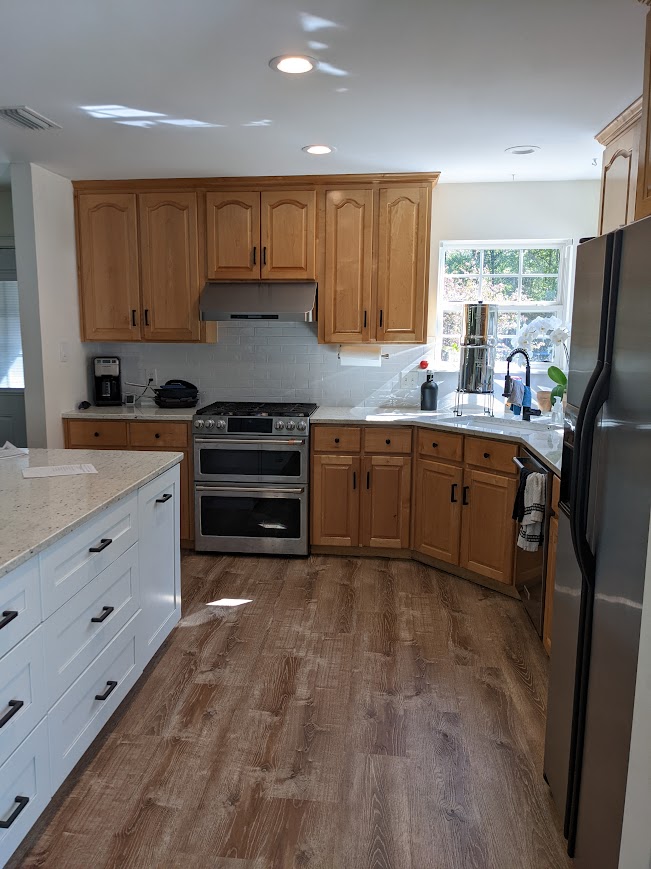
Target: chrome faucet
527, 412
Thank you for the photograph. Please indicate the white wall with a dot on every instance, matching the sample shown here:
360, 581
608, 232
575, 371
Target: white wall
49, 308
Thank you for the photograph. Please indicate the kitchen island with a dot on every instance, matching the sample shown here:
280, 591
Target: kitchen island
89, 590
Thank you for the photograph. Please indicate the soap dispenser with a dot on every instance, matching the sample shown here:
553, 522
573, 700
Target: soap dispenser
429, 393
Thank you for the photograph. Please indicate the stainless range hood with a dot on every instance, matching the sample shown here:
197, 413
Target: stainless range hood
253, 300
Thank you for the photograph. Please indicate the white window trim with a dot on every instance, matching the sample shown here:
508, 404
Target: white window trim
563, 306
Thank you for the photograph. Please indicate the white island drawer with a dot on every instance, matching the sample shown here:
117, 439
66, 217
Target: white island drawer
24, 789
20, 604
70, 564
84, 625
22, 692
88, 704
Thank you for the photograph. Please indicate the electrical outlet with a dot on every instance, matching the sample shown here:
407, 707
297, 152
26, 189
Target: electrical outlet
64, 351
410, 379
151, 374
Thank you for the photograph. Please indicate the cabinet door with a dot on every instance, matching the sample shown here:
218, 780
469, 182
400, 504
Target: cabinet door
487, 529
386, 488
618, 190
346, 296
107, 235
289, 235
550, 581
643, 197
335, 500
437, 506
159, 560
403, 263
233, 235
169, 255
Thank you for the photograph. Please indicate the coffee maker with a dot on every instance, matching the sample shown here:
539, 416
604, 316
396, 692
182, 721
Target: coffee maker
107, 383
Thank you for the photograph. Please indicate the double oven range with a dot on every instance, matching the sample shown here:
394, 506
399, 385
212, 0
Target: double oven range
251, 472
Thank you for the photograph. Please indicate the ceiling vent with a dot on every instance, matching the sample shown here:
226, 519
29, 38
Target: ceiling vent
22, 116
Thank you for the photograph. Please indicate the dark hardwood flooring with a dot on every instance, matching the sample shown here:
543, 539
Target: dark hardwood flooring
357, 714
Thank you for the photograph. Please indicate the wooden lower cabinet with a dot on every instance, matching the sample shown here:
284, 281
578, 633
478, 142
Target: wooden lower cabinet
335, 500
437, 510
385, 503
550, 582
487, 529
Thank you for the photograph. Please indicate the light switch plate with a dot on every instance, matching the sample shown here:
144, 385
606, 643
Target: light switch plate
410, 379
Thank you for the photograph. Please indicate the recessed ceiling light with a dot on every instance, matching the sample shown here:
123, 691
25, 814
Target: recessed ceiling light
522, 150
293, 63
318, 149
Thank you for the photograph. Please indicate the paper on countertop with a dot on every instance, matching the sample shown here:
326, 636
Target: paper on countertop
59, 471
9, 451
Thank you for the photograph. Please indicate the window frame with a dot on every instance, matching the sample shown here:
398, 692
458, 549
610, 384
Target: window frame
561, 307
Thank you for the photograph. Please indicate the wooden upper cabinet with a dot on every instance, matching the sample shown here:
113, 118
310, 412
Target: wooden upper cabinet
170, 266
346, 297
403, 264
386, 497
643, 197
109, 294
233, 235
288, 235
437, 508
487, 529
335, 500
621, 141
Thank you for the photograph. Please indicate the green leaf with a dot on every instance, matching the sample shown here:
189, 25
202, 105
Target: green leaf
557, 391
557, 375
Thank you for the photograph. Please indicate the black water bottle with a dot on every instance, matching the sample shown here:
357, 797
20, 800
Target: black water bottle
429, 393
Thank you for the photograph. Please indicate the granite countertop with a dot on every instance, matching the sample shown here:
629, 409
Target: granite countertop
35, 513
540, 438
140, 411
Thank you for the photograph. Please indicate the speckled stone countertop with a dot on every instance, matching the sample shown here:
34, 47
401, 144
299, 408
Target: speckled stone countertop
143, 412
36, 513
543, 440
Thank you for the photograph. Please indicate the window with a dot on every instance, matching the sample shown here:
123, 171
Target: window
525, 279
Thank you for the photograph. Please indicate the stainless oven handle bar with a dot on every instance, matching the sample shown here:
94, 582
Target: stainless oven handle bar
518, 462
242, 490
239, 441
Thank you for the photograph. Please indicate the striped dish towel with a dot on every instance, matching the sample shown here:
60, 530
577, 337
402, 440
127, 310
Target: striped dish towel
530, 535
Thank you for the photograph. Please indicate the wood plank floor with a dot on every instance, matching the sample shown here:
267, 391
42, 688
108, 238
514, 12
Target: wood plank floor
357, 714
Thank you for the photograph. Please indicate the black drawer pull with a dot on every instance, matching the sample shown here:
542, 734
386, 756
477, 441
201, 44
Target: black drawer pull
22, 802
106, 541
156, 435
487, 455
434, 445
336, 440
111, 688
368, 479
106, 612
8, 616
354, 479
453, 493
16, 705
465, 495
163, 498
388, 441
96, 434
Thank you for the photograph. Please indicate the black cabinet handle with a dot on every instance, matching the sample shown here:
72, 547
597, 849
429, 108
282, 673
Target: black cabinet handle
368, 479
163, 498
157, 436
96, 434
111, 688
16, 705
434, 445
365, 319
133, 317
354, 479
106, 612
381, 317
146, 316
487, 455
264, 255
8, 616
22, 802
453, 493
103, 544
388, 441
465, 495
255, 255
336, 440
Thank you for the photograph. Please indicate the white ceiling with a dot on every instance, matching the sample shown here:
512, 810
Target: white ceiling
429, 85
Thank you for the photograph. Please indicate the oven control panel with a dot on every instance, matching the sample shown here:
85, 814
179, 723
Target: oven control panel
262, 425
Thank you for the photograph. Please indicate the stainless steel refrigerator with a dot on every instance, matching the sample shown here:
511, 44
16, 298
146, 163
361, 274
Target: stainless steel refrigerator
602, 543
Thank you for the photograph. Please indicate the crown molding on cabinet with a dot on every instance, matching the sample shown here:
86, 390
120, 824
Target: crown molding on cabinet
623, 122
260, 182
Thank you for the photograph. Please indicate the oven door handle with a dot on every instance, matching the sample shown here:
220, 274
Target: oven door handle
270, 442
242, 490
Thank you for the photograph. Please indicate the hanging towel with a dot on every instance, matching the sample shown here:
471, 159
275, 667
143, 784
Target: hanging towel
518, 506
531, 528
517, 396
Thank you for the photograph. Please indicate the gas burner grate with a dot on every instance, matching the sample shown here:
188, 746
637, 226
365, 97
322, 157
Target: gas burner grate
243, 408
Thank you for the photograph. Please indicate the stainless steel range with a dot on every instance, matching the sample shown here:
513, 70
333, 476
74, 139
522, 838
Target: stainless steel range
252, 471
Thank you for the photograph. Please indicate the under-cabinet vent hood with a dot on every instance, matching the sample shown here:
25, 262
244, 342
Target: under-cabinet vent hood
253, 300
